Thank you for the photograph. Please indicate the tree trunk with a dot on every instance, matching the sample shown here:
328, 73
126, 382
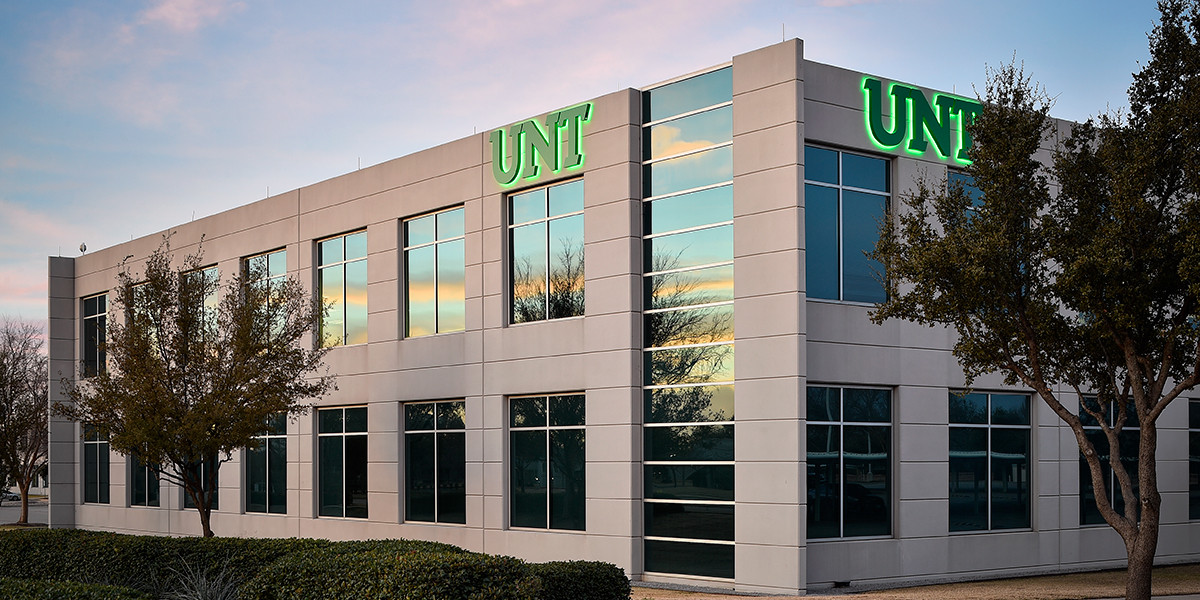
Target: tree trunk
1141, 563
24, 503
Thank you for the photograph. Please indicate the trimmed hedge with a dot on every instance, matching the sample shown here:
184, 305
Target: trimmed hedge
293, 569
27, 589
382, 575
573, 580
147, 563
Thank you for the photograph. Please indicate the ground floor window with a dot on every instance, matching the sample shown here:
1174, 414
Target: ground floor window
143, 483
1194, 459
435, 462
849, 462
266, 470
989, 461
204, 470
95, 466
546, 447
1127, 440
342, 462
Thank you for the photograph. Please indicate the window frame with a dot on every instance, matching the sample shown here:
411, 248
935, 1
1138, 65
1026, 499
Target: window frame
343, 434
841, 423
99, 320
547, 250
1132, 427
436, 433
1030, 461
270, 433
547, 430
147, 476
436, 244
343, 264
840, 189
102, 476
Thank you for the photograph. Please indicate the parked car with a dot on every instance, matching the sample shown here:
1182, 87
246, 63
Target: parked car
7, 495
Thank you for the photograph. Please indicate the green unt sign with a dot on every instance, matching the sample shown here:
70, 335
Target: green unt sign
916, 122
556, 144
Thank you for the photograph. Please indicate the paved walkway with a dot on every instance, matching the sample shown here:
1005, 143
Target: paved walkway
39, 511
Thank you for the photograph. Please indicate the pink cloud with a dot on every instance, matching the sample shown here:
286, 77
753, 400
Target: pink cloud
188, 15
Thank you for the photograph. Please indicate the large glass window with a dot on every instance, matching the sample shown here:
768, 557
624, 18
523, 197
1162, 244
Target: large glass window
95, 466
204, 470
1194, 459
849, 462
1127, 440
342, 275
546, 252
342, 462
435, 462
143, 483
435, 264
546, 447
845, 200
989, 461
95, 312
688, 332
266, 469
958, 179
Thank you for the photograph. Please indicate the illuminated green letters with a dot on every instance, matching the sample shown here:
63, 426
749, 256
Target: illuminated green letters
533, 144
916, 121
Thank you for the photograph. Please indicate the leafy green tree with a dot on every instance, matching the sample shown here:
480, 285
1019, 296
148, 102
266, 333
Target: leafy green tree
1090, 292
24, 408
194, 374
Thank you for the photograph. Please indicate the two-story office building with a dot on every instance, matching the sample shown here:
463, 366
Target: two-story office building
536, 330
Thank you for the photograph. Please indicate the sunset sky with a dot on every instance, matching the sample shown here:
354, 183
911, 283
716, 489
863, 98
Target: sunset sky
121, 118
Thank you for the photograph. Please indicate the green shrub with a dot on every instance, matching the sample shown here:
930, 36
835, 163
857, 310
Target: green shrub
581, 580
27, 589
151, 563
383, 574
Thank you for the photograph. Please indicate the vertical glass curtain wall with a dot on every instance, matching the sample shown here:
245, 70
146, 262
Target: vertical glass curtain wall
688, 329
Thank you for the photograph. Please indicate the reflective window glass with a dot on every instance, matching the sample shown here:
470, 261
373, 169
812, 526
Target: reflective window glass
820, 165
435, 462
690, 482
865, 172
689, 171
697, 364
690, 249
689, 94
703, 325
1193, 461
690, 133
693, 209
95, 310
266, 469
548, 475
689, 443
989, 461
435, 285
689, 558
864, 213
343, 286
697, 521
342, 462
689, 404
547, 253
687, 288
849, 465
959, 179
821, 246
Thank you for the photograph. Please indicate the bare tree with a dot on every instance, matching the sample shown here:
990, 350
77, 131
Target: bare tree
24, 406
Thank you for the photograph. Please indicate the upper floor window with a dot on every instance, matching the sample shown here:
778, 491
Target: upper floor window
266, 269
95, 313
845, 200
342, 278
989, 461
435, 268
967, 183
546, 252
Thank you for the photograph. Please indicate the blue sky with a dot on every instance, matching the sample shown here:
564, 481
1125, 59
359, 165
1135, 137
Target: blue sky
121, 118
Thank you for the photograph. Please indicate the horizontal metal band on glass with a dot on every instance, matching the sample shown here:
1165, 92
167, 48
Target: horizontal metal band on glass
846, 188
651, 311
723, 263
653, 161
697, 502
542, 219
686, 346
699, 188
650, 236
688, 113
689, 540
685, 133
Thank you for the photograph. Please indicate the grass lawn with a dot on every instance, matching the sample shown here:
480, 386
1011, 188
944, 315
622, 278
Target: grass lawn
1168, 581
